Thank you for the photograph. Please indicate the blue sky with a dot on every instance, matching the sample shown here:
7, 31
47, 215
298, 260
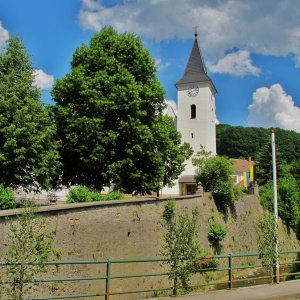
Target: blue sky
251, 48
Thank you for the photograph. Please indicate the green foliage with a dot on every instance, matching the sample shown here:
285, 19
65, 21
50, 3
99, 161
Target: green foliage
79, 194
267, 239
216, 234
214, 174
169, 211
7, 198
116, 195
206, 261
241, 142
109, 118
84, 194
180, 246
288, 200
28, 151
28, 241
264, 165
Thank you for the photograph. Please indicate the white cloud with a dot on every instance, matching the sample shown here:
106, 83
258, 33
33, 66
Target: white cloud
3, 35
269, 27
272, 107
238, 63
161, 65
43, 80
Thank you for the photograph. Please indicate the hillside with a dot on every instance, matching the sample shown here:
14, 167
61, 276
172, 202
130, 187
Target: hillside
242, 142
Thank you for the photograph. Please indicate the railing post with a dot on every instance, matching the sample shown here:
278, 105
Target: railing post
230, 271
107, 281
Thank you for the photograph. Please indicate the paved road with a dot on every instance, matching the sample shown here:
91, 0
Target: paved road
289, 290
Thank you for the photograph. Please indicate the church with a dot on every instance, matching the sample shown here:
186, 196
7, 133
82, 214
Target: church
195, 118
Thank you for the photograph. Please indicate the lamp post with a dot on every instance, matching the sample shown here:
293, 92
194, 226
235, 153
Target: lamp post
275, 203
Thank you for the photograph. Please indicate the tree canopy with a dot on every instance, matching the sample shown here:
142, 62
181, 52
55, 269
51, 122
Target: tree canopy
109, 118
214, 174
241, 142
28, 153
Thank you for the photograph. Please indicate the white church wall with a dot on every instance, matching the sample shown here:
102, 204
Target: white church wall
201, 129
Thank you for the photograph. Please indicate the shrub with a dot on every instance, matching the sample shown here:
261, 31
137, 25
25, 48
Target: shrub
7, 198
288, 200
84, 194
206, 262
116, 195
216, 232
79, 194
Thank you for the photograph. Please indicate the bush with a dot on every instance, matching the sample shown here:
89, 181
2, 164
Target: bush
84, 194
206, 262
79, 194
288, 200
116, 195
216, 232
7, 198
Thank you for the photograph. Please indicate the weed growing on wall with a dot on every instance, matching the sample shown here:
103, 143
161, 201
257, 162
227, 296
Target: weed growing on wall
216, 234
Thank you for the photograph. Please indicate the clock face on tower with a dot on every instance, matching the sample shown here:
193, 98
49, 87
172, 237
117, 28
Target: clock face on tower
193, 90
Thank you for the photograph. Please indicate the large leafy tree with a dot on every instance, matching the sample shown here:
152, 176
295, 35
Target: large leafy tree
214, 175
28, 152
109, 117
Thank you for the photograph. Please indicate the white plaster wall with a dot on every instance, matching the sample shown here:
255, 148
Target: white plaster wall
202, 129
170, 191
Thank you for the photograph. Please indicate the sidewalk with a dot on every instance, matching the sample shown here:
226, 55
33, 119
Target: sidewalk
289, 290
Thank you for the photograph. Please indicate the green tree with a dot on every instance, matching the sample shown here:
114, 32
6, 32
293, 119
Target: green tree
109, 117
29, 240
267, 239
264, 165
288, 200
214, 174
28, 152
180, 247
172, 153
242, 142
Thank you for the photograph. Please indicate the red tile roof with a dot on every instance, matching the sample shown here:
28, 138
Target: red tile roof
242, 165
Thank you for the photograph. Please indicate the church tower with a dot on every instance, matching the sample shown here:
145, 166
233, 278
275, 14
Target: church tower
196, 119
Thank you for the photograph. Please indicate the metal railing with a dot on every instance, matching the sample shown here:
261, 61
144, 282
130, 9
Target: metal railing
230, 274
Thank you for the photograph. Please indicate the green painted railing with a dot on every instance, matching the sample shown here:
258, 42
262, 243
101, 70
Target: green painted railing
231, 280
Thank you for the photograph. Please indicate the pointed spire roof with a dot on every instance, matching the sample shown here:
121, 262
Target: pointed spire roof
195, 70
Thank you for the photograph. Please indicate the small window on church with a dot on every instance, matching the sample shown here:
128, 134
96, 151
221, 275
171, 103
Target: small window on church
192, 135
193, 111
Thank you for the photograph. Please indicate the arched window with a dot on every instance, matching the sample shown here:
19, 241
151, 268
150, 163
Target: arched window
193, 111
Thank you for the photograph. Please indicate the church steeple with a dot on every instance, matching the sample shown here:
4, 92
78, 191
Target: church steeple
195, 70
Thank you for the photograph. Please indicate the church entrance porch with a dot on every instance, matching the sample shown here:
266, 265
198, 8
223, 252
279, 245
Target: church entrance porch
187, 185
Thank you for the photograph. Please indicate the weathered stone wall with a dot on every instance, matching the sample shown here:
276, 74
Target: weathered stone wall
132, 229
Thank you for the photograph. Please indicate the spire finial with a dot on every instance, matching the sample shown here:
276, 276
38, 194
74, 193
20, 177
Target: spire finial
196, 31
